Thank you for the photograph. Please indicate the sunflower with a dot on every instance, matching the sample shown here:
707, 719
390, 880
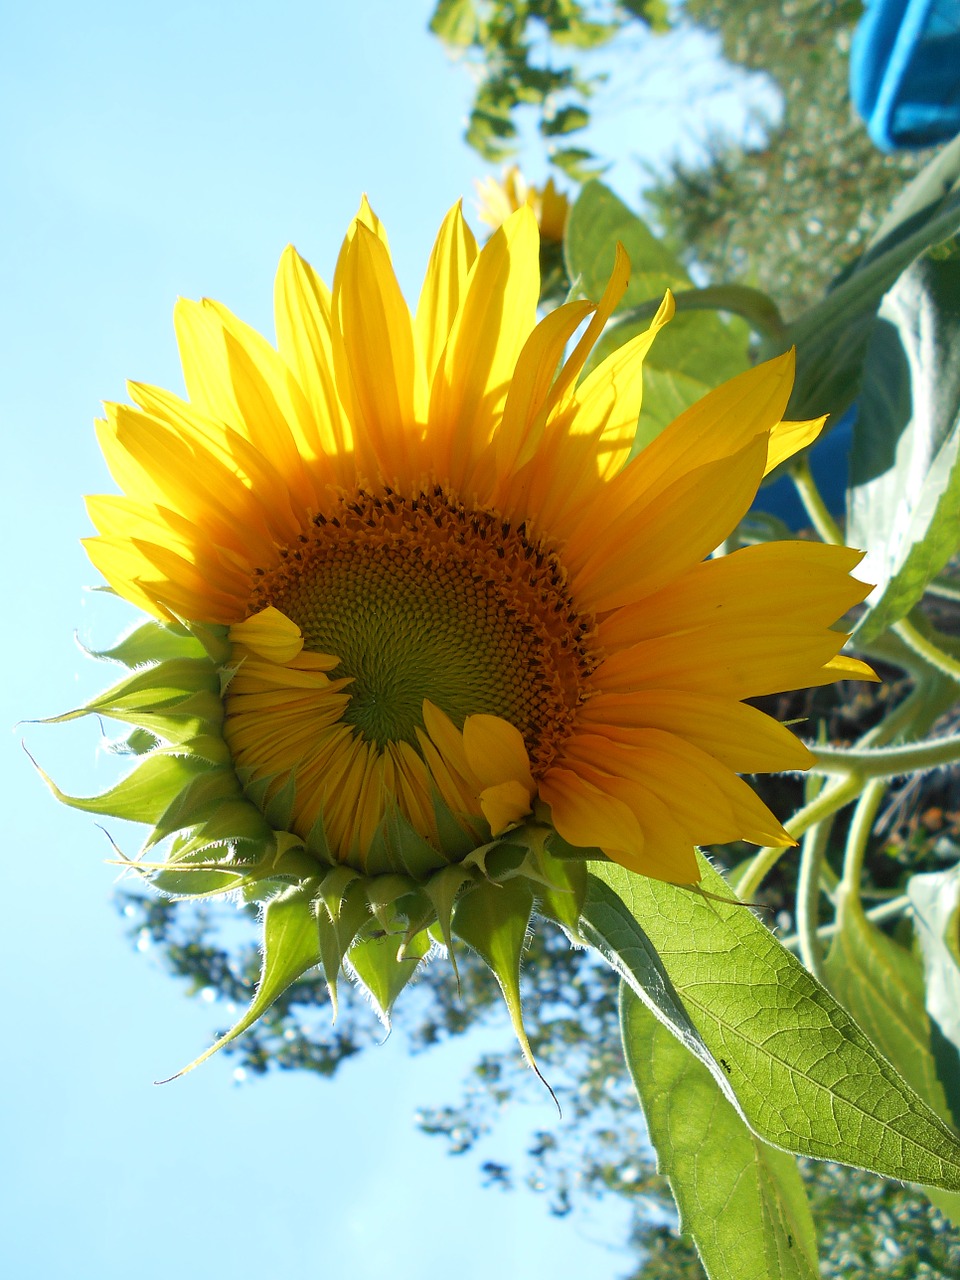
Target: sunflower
450, 599
498, 199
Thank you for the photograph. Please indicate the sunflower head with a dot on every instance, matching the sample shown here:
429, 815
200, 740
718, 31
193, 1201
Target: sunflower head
499, 198
423, 639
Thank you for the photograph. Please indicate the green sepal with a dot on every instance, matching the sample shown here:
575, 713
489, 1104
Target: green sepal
215, 639
383, 893
377, 965
345, 912
149, 642
200, 798
150, 689
143, 795
443, 889
290, 949
317, 843
278, 810
196, 715
412, 852
455, 841
564, 888
493, 919
138, 742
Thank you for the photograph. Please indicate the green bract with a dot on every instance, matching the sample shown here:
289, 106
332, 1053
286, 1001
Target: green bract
213, 834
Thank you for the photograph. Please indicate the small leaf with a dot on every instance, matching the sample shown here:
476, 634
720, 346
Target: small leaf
290, 948
455, 22
742, 1201
566, 120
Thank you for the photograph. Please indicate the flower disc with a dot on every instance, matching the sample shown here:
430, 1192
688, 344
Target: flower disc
421, 599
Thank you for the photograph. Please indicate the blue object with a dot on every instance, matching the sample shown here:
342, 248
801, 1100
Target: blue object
905, 71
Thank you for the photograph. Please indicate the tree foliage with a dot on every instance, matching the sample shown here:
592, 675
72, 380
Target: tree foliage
524, 54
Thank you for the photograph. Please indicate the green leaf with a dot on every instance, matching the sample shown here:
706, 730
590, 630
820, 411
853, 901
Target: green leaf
801, 1072
566, 120
577, 163
455, 22
598, 220
742, 1201
882, 985
290, 947
904, 498
831, 337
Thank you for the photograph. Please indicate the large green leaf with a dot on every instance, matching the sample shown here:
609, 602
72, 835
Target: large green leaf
742, 1201
882, 985
697, 350
801, 1072
831, 337
904, 498
598, 220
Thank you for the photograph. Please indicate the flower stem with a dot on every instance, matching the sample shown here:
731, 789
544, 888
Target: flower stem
812, 856
861, 825
813, 502
887, 762
926, 649
885, 911
822, 806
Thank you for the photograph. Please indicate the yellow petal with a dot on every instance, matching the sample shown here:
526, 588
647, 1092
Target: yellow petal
629, 558
588, 818
525, 411
746, 592
302, 310
377, 349
609, 400
721, 424
496, 752
788, 438
495, 319
269, 633
444, 286
504, 805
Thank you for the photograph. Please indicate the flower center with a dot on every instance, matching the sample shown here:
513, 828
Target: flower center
422, 598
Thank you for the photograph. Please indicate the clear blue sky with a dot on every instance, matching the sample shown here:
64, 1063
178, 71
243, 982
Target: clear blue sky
151, 151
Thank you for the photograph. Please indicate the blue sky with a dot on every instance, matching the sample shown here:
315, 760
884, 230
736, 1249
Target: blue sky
152, 151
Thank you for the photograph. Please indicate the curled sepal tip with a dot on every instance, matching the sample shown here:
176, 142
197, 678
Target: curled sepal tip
290, 948
493, 919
